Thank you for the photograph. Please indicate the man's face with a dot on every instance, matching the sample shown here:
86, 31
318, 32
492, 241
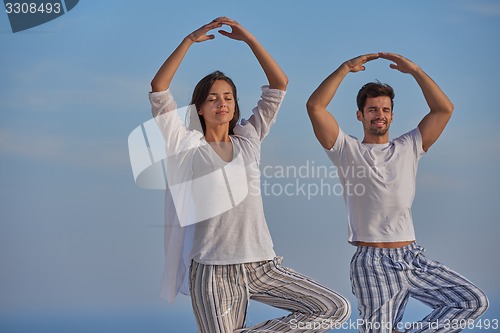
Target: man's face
377, 115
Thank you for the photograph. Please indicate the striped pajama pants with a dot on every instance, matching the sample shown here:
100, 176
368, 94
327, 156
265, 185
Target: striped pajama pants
384, 279
220, 296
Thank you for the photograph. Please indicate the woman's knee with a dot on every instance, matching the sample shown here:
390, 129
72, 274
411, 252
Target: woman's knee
339, 310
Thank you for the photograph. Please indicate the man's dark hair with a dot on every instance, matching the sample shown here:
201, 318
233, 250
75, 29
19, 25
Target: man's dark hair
374, 89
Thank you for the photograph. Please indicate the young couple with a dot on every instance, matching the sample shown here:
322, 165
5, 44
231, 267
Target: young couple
226, 254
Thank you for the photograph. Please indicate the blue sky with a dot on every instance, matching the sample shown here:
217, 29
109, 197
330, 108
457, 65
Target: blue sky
78, 236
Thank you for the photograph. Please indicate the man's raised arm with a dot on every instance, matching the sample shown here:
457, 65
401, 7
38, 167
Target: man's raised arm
441, 108
324, 124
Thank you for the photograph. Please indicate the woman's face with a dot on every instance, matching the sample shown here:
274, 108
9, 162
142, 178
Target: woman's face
218, 108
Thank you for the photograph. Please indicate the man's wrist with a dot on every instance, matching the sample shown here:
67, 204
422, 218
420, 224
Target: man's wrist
416, 71
189, 40
344, 68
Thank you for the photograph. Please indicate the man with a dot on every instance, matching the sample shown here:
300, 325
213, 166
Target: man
388, 266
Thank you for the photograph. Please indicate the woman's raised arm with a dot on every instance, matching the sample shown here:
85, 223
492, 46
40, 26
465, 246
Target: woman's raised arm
275, 75
164, 76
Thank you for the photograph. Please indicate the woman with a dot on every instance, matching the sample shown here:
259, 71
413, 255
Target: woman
214, 180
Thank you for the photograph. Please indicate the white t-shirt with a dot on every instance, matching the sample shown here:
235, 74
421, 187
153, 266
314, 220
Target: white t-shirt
219, 218
379, 185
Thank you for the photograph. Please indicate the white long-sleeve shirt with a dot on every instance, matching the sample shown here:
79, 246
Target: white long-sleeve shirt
213, 209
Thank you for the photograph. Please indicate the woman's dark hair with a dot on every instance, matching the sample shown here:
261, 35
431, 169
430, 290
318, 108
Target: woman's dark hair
374, 89
200, 95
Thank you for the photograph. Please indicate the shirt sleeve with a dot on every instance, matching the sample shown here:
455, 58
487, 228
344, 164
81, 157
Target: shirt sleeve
413, 138
162, 102
173, 130
335, 153
265, 113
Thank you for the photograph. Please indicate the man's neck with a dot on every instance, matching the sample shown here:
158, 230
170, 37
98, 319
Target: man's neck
376, 139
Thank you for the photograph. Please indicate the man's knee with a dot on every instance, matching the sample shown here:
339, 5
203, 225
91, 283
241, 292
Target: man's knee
480, 304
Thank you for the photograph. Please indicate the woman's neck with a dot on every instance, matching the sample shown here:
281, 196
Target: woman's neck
217, 134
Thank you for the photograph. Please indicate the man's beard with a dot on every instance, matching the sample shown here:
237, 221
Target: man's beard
379, 131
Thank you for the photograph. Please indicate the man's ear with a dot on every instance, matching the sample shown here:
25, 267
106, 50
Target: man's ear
359, 115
